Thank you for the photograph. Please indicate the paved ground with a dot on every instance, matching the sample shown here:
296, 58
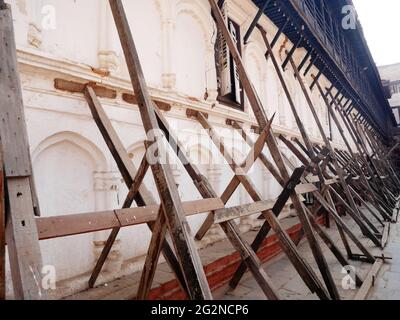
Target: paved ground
388, 284
283, 274
291, 286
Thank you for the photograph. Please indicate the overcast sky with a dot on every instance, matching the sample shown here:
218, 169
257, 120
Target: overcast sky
381, 23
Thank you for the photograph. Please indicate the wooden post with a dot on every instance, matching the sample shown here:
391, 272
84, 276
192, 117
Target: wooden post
338, 169
246, 252
262, 119
185, 247
338, 125
21, 231
133, 179
329, 206
2, 231
271, 218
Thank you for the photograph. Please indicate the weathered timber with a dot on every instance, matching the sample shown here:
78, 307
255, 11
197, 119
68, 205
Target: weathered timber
262, 120
2, 231
130, 175
21, 232
338, 169
369, 281
229, 227
76, 87
74, 224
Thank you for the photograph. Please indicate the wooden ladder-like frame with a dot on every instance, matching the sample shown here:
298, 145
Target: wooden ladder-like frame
326, 173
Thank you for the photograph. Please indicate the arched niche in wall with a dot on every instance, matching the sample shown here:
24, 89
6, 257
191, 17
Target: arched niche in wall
75, 40
145, 21
254, 59
193, 48
64, 166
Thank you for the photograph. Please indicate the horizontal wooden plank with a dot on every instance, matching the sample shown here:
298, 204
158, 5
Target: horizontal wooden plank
369, 281
228, 214
306, 188
132, 99
312, 179
129, 217
76, 87
331, 181
68, 225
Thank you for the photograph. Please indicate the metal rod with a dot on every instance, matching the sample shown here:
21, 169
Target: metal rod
255, 21
290, 54
303, 62
317, 78
310, 66
278, 34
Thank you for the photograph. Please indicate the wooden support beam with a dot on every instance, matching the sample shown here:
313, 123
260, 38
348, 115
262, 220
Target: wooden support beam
331, 245
270, 166
289, 54
185, 247
2, 230
153, 256
255, 21
243, 169
316, 78
22, 239
277, 36
21, 232
75, 224
329, 206
341, 131
259, 112
131, 99
270, 215
130, 175
310, 65
76, 87
305, 59
369, 281
338, 169
385, 236
203, 186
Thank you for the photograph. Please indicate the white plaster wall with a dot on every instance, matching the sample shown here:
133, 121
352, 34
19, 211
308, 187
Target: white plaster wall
74, 170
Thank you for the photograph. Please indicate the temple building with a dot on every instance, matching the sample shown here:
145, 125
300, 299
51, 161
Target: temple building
64, 45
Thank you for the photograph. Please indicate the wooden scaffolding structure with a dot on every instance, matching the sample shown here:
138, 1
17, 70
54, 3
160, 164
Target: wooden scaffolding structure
333, 177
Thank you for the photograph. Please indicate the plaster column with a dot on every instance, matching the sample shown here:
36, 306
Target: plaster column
211, 75
168, 29
108, 40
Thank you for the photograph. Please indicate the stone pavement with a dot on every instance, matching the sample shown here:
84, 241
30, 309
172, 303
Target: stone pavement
284, 276
388, 283
291, 286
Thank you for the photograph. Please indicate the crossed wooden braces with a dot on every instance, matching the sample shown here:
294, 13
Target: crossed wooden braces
171, 214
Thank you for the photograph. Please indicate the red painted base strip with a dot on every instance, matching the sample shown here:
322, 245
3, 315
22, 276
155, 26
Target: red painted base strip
220, 272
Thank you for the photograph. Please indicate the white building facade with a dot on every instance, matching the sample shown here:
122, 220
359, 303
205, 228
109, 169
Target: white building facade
76, 40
